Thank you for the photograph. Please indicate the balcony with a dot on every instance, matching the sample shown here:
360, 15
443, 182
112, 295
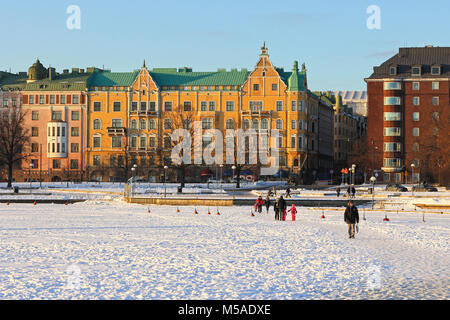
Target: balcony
256, 113
116, 131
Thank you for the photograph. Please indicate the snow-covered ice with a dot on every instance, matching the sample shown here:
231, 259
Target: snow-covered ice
113, 250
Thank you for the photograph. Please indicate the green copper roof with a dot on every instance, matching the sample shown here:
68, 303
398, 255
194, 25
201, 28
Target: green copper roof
172, 77
10, 81
110, 79
61, 82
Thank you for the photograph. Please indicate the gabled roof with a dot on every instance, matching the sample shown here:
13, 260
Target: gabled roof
111, 79
172, 77
408, 57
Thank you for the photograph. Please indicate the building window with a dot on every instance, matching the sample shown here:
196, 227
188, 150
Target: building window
300, 142
207, 123
167, 124
152, 141
415, 116
392, 85
167, 142
230, 106
134, 124
392, 132
392, 101
255, 124
34, 131
435, 101
116, 123
31, 99
167, 106
415, 147
116, 142
274, 87
279, 105
75, 99
293, 122
229, 124
279, 124
435, 85
435, 115
73, 164
293, 105
212, 106
152, 106
56, 164
415, 132
203, 106
74, 131
300, 106
97, 142
255, 87
264, 124
134, 142
35, 115
392, 71
392, 116
415, 71
74, 147
142, 124
97, 124
134, 106
246, 124
435, 70
416, 101
96, 160
52, 99
41, 99
416, 85
293, 140
392, 147
116, 106
151, 124
187, 106
143, 106
75, 115
97, 106
62, 99
392, 162
56, 115
300, 124
34, 147
143, 142
255, 106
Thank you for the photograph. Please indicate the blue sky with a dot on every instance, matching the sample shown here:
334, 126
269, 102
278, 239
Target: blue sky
331, 37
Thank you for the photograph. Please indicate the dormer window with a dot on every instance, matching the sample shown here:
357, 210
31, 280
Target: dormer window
436, 70
416, 71
392, 70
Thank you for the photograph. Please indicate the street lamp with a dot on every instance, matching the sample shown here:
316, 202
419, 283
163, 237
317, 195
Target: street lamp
234, 168
31, 167
412, 177
353, 173
221, 175
373, 179
133, 170
165, 176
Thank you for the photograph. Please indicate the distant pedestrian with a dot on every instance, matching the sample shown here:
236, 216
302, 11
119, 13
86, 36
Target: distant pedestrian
351, 217
349, 191
338, 191
353, 191
276, 209
288, 192
293, 211
267, 203
282, 208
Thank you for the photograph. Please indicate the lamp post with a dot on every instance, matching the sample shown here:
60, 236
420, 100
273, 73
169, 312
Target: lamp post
412, 178
31, 166
353, 173
221, 175
165, 177
373, 179
234, 168
133, 170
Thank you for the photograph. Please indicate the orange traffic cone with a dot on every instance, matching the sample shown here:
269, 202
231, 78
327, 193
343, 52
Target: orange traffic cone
178, 210
148, 210
195, 211
423, 217
7, 203
34, 203
209, 212
323, 216
252, 215
218, 213
385, 218
67, 202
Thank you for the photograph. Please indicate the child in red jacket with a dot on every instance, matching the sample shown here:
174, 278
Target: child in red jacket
293, 211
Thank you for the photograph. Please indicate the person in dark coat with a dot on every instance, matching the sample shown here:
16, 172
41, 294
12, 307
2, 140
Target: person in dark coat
338, 191
351, 218
349, 190
267, 203
353, 191
288, 192
276, 208
282, 208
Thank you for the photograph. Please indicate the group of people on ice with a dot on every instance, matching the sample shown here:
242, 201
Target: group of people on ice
279, 207
351, 215
351, 191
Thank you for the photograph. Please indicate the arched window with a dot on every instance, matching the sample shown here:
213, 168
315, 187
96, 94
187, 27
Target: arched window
264, 124
279, 124
230, 124
167, 124
246, 124
142, 124
133, 124
255, 124
97, 124
167, 142
151, 124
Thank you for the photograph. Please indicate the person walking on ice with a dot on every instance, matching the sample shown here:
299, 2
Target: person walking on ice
351, 217
259, 204
293, 211
338, 191
282, 208
267, 203
276, 208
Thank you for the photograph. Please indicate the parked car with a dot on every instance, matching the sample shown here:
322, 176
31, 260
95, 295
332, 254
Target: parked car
424, 188
396, 187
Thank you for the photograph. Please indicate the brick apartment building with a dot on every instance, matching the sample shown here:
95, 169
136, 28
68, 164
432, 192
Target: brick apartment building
408, 115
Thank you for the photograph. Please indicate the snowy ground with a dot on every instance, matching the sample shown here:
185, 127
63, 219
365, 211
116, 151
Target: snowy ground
113, 250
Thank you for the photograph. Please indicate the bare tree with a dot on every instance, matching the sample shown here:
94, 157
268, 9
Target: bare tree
13, 138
